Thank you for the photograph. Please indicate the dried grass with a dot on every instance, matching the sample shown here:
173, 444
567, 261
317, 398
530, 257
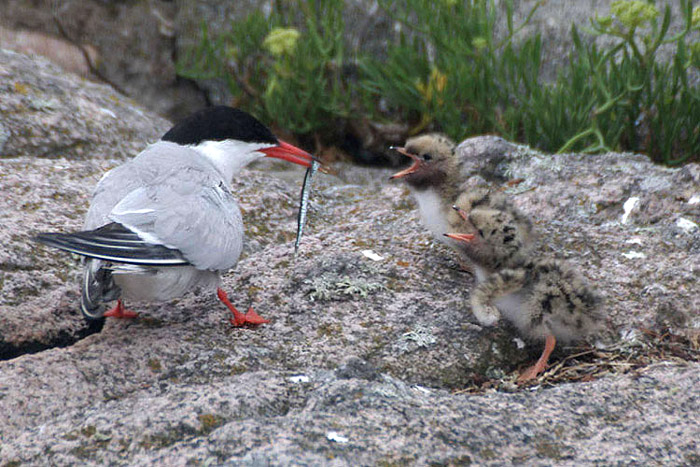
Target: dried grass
589, 364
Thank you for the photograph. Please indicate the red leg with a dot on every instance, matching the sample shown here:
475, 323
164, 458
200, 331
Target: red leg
239, 319
120, 312
541, 365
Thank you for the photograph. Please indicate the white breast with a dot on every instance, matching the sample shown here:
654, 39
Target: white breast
433, 213
160, 284
513, 307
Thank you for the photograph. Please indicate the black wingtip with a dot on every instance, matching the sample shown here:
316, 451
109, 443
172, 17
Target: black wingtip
40, 237
114, 243
55, 240
51, 239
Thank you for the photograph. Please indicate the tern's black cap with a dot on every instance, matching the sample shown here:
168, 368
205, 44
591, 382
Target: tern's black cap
219, 123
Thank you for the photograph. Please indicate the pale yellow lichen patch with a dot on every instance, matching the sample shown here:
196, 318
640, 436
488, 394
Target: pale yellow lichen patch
21, 88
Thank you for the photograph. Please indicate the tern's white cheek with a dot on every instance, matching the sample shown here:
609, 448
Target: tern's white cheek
229, 157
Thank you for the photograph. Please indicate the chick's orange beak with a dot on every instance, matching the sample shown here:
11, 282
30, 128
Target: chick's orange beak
466, 238
409, 170
289, 153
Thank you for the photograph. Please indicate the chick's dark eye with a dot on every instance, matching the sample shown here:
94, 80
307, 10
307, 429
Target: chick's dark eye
427, 157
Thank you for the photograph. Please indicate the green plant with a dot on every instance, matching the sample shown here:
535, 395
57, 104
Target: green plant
640, 102
623, 97
305, 91
448, 69
288, 77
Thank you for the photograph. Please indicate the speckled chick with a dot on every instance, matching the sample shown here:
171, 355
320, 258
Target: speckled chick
545, 299
502, 235
437, 177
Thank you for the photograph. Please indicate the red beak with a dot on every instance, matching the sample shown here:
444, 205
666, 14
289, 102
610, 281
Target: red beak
466, 238
289, 153
411, 169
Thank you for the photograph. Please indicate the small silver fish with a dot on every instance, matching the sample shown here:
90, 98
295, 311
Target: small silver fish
304, 203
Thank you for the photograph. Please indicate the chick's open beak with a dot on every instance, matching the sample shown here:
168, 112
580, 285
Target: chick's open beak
289, 153
409, 170
466, 238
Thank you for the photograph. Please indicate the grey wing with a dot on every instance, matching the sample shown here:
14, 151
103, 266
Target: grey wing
114, 185
193, 213
157, 164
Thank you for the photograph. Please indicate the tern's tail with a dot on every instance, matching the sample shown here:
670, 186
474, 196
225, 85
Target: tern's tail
109, 249
98, 287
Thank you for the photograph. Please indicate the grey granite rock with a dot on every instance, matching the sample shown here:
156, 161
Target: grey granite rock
51, 114
357, 364
272, 418
132, 45
4, 136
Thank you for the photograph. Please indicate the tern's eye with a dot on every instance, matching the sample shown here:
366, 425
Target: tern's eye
427, 157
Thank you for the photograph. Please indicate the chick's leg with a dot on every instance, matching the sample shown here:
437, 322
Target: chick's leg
541, 365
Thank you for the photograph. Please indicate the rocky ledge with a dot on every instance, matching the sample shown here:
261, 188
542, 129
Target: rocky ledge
372, 355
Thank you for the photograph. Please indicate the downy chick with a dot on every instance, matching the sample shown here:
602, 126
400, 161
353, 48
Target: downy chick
436, 178
501, 236
545, 299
